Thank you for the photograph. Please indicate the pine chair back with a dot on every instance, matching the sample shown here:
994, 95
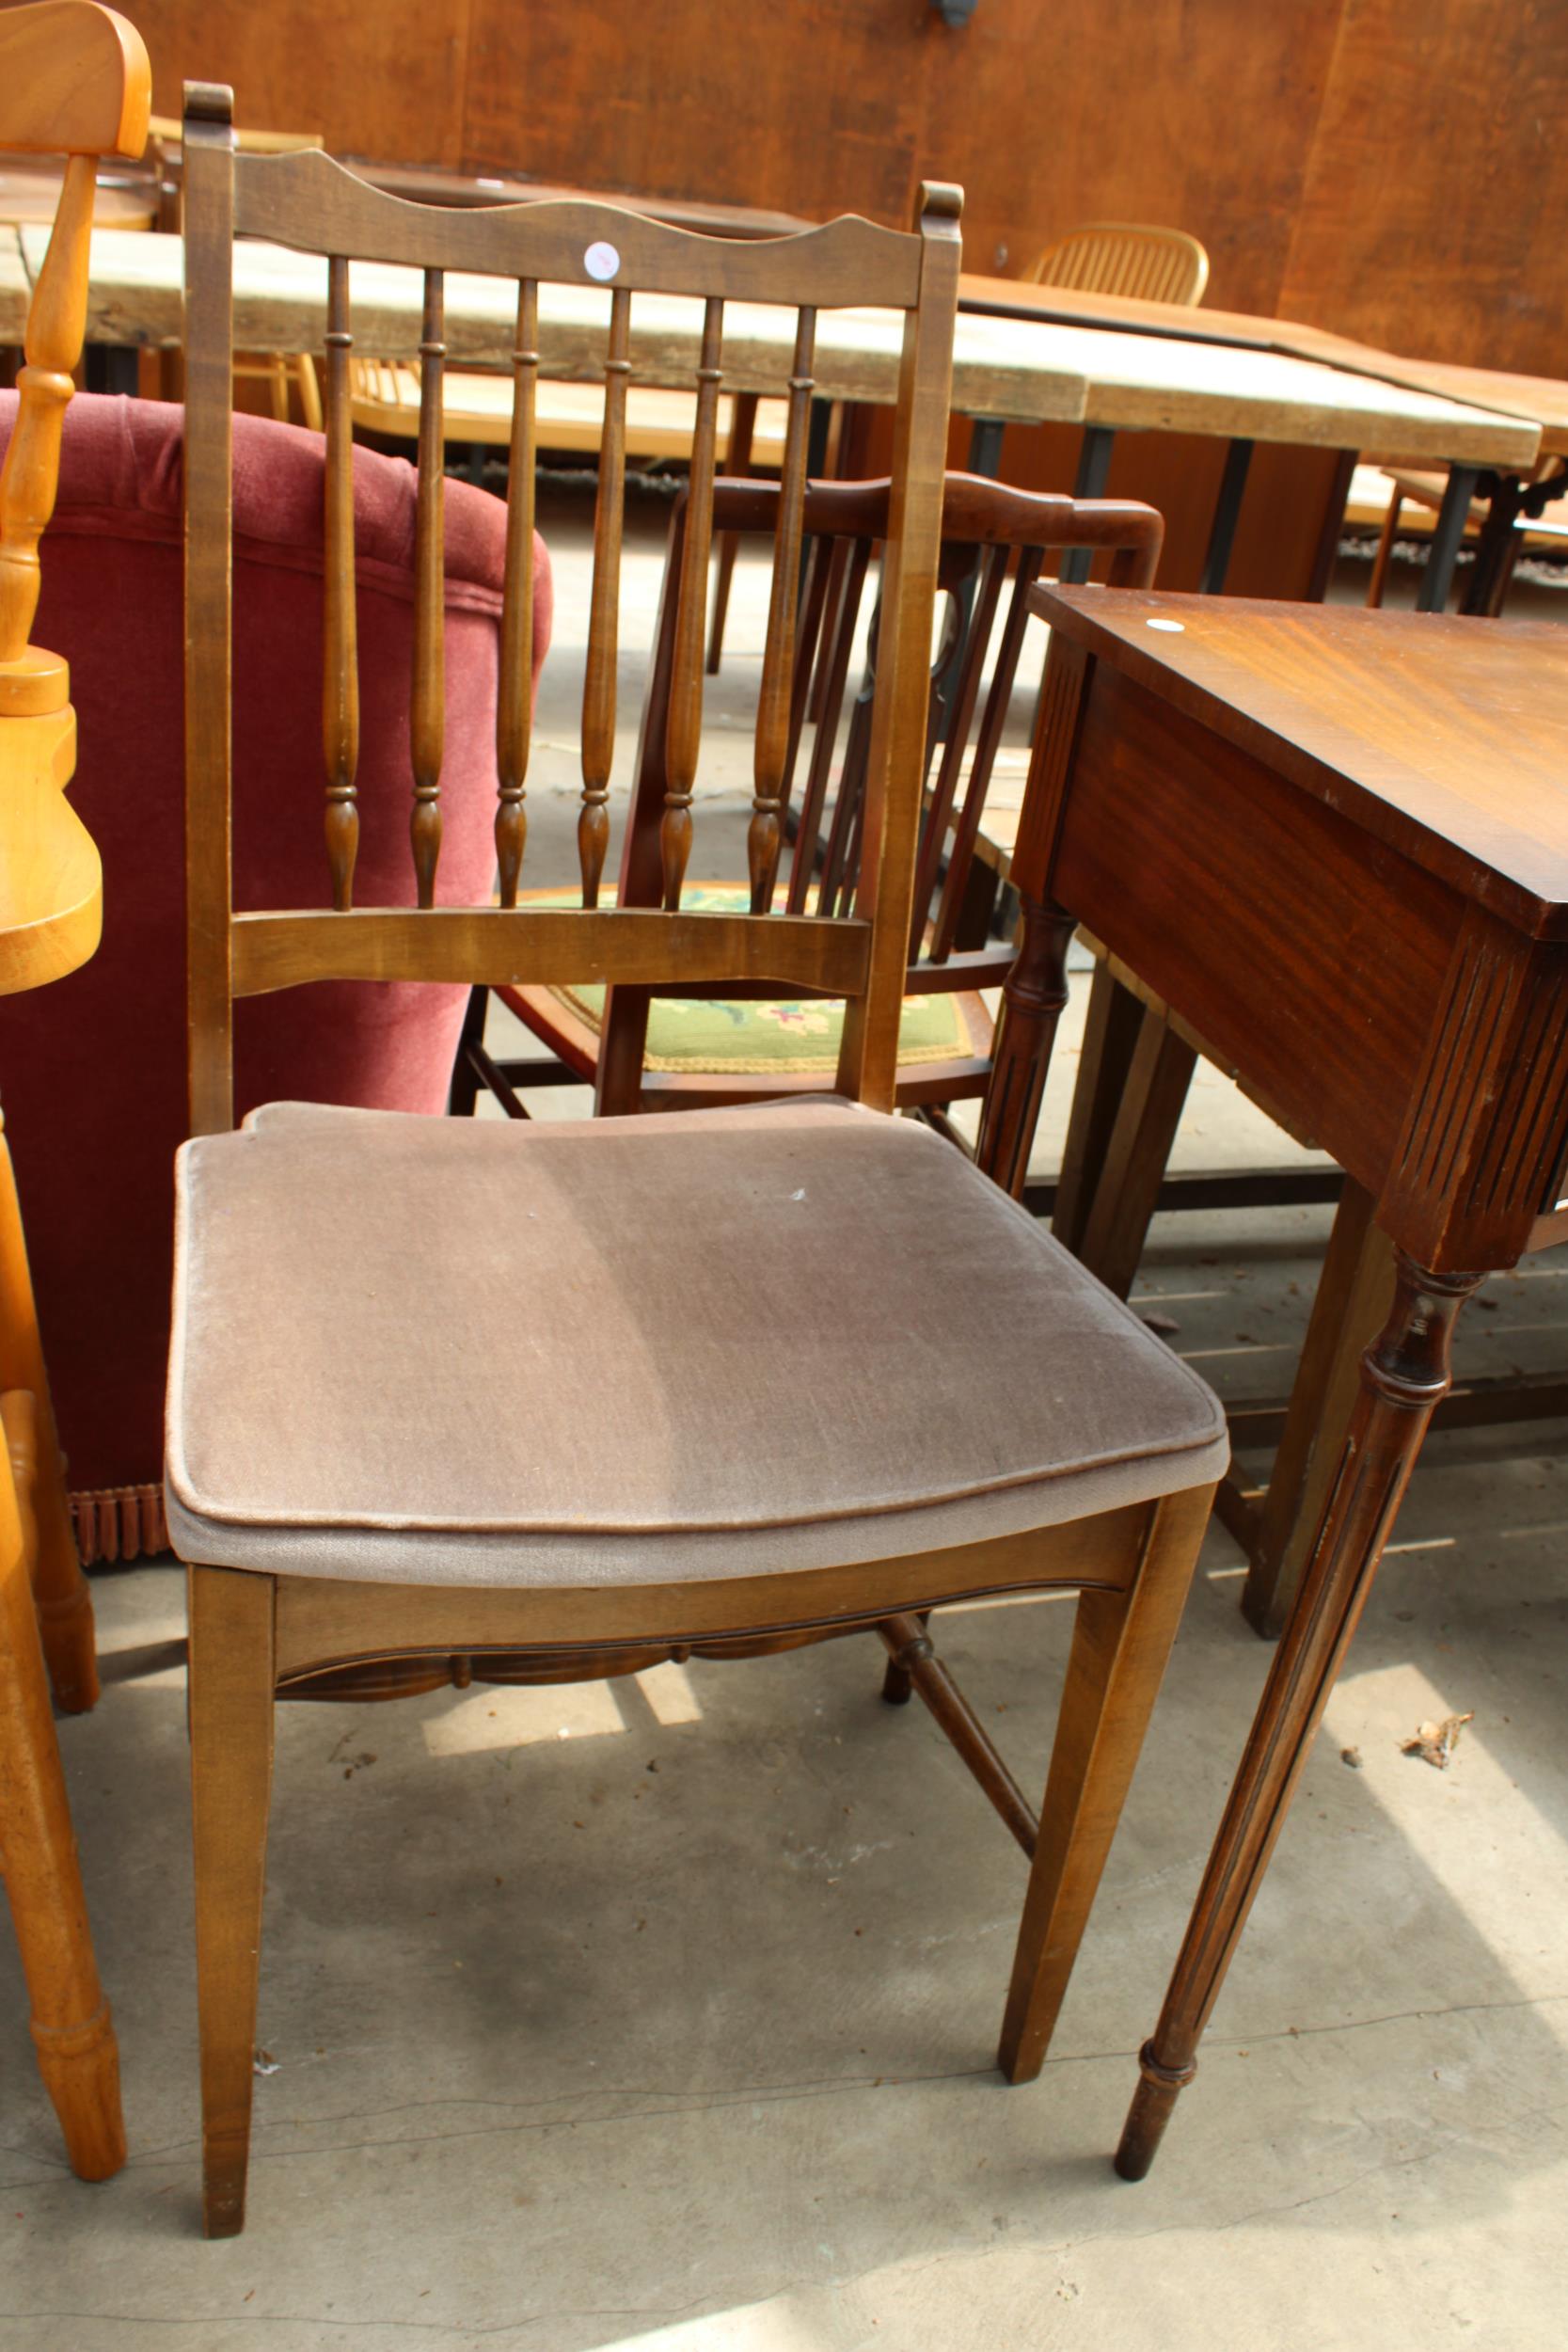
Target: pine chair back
308, 202
73, 76
1126, 258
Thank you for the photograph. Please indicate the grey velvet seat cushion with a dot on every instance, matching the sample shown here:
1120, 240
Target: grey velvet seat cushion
646, 1349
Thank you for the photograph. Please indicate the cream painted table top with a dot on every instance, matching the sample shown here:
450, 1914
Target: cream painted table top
1011, 370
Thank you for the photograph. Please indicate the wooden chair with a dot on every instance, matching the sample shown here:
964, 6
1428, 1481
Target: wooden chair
1126, 258
712, 1467
73, 76
994, 543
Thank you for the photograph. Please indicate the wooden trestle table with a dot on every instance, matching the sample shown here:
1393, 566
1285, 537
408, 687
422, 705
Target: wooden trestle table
1336, 841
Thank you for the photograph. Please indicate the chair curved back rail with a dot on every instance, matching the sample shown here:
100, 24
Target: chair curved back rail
992, 536
1151, 264
309, 202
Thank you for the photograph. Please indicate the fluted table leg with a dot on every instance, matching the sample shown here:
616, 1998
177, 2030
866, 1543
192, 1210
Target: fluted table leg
1403, 1374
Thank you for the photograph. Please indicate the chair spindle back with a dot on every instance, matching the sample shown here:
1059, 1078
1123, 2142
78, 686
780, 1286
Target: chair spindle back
561, 257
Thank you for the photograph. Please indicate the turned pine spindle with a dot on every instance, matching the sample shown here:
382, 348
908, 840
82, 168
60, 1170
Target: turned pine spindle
429, 696
55, 320
683, 733
514, 699
340, 668
598, 686
770, 766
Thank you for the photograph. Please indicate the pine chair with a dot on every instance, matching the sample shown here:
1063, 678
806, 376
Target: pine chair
364, 1301
994, 544
73, 76
1126, 258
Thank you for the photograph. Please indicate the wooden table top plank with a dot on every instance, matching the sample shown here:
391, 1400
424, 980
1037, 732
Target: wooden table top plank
1538, 399
1443, 735
1004, 370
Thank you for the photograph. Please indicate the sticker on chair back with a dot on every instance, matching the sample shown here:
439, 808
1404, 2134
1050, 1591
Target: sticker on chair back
601, 261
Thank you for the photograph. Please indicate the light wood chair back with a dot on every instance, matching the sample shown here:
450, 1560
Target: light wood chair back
73, 77
312, 204
1126, 258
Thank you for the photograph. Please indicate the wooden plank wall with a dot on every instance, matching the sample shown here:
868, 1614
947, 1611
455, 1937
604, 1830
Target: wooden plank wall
1380, 165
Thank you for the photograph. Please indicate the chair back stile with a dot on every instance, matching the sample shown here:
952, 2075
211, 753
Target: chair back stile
308, 202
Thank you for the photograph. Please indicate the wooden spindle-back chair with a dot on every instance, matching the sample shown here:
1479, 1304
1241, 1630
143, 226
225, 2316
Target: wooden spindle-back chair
73, 77
370, 1309
1121, 257
994, 542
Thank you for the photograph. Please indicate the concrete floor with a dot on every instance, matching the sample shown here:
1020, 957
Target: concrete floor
683, 2040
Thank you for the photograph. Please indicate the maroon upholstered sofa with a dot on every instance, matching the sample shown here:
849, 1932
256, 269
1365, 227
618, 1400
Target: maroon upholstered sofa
92, 1071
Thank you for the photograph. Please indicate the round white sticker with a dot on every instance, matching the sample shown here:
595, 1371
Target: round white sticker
601, 261
1176, 627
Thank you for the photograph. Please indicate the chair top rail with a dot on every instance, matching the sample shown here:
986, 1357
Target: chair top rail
74, 80
311, 203
975, 511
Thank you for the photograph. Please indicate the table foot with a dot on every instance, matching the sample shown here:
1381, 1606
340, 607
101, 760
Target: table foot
1153, 2105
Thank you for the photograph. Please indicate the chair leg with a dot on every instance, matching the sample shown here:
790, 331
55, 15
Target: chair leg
464, 1091
60, 1589
1116, 1220
231, 1685
897, 1686
78, 2057
1120, 1642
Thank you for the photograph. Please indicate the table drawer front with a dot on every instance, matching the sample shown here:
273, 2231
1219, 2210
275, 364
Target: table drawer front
1308, 954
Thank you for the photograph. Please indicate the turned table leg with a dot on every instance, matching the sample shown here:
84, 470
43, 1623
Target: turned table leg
1403, 1374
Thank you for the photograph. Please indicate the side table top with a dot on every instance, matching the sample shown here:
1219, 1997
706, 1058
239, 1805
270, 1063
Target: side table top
1445, 736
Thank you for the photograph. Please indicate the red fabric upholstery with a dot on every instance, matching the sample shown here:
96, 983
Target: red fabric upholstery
92, 1071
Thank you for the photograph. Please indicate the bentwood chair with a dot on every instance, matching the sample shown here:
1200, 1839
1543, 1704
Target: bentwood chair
994, 542
74, 77
557, 1401
1126, 258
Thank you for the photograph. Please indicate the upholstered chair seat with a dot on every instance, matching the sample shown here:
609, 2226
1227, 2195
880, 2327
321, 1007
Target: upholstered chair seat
479, 1353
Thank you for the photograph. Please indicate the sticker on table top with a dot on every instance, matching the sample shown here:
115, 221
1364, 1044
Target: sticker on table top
1175, 628
601, 261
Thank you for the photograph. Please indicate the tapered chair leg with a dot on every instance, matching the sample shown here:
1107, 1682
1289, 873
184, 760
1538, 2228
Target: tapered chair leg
1120, 1644
72, 2031
898, 1685
233, 1678
59, 1588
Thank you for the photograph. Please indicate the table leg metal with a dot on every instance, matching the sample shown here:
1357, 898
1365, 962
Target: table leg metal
1094, 467
1449, 531
1403, 1374
113, 368
985, 446
1228, 508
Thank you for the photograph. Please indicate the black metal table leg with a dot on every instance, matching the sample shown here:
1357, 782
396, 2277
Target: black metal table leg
113, 368
1450, 531
1228, 507
985, 447
1094, 467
